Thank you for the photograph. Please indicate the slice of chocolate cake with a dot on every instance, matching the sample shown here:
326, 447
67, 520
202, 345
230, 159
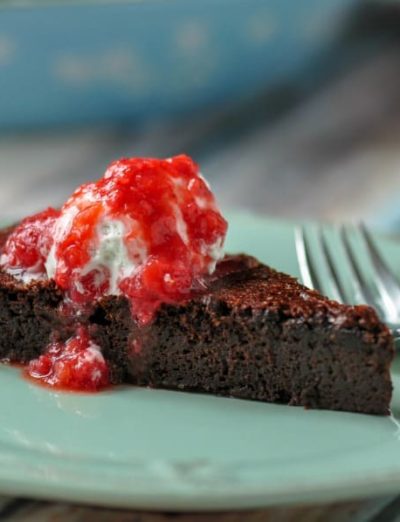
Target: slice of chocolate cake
254, 334
128, 282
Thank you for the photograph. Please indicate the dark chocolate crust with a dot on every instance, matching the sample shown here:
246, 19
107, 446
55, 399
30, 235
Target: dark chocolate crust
254, 333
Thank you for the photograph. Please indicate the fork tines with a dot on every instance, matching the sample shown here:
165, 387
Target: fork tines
345, 263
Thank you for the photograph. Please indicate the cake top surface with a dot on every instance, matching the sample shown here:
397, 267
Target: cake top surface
243, 282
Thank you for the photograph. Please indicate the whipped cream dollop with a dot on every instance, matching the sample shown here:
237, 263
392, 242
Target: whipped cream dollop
149, 229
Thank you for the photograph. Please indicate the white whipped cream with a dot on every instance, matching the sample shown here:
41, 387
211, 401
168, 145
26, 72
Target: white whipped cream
110, 251
62, 227
215, 252
25, 275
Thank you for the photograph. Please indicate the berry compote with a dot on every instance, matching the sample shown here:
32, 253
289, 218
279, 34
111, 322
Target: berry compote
76, 364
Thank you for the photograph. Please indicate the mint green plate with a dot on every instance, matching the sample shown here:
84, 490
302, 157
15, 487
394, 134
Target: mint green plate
154, 449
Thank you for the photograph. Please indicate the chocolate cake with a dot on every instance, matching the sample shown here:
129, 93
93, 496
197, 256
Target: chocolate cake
128, 283
253, 333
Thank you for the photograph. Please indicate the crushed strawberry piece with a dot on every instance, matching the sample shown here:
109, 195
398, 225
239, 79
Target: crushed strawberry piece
28, 246
76, 364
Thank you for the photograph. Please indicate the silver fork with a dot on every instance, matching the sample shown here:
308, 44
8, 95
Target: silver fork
382, 291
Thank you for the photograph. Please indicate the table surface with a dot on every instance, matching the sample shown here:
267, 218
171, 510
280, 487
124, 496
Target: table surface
333, 156
376, 510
